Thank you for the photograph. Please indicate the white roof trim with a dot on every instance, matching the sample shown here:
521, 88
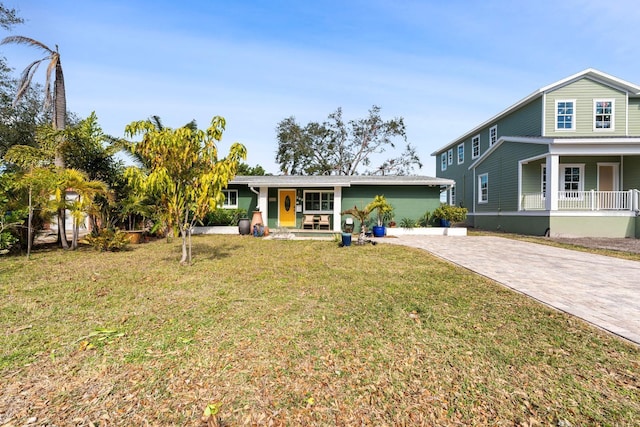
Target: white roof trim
587, 146
521, 139
591, 73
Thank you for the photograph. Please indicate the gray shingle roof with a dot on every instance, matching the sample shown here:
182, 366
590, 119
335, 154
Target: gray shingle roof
337, 180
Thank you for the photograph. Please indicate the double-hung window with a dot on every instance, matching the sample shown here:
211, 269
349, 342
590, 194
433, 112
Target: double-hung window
483, 188
603, 114
565, 115
493, 135
452, 196
543, 181
230, 199
443, 162
571, 181
461, 153
450, 156
475, 146
318, 201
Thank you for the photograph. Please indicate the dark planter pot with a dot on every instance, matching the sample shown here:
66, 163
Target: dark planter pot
244, 226
378, 231
445, 223
346, 239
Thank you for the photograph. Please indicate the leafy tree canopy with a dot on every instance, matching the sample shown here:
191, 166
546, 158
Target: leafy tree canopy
338, 148
184, 171
245, 170
9, 17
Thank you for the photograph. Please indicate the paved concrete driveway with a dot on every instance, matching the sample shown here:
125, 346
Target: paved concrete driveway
602, 290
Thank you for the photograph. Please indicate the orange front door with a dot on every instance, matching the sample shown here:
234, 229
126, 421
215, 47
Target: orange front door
287, 208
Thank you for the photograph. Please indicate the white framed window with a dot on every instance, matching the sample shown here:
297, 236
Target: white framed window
450, 156
230, 199
452, 195
603, 114
318, 201
475, 146
443, 162
572, 181
483, 188
493, 135
565, 114
461, 153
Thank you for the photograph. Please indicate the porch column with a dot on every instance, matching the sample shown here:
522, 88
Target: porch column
263, 203
553, 182
337, 208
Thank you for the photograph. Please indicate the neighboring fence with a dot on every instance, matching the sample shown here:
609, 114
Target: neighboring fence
585, 200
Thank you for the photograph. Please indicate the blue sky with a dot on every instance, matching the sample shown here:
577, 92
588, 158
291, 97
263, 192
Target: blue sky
444, 66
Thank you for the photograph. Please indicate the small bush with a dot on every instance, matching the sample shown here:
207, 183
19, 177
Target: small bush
423, 221
451, 213
224, 217
7, 240
108, 240
407, 223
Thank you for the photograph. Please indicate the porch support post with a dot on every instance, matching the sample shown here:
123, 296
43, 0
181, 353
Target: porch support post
263, 204
337, 208
553, 182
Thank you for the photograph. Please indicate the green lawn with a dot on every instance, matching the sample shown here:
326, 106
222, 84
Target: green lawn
294, 333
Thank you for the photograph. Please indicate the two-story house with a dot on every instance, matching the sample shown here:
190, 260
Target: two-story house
563, 161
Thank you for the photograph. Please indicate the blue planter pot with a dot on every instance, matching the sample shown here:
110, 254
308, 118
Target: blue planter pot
445, 223
346, 239
378, 231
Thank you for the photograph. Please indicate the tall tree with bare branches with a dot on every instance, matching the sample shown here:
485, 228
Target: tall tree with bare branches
56, 98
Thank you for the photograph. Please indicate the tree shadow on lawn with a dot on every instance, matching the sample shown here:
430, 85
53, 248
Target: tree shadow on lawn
205, 251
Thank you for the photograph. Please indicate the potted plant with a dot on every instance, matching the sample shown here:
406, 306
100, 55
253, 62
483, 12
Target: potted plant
448, 214
361, 215
384, 212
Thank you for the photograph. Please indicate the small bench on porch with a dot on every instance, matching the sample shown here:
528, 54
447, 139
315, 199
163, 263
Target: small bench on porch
316, 222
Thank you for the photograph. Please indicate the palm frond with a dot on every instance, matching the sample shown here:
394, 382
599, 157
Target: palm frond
25, 79
27, 41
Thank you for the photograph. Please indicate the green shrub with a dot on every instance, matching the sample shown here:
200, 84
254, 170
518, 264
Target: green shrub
423, 221
451, 213
224, 217
108, 240
407, 222
7, 240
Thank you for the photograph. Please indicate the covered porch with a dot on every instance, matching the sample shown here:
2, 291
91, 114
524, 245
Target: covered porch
580, 182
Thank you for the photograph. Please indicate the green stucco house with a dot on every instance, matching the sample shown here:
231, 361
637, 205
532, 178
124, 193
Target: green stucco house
284, 200
563, 161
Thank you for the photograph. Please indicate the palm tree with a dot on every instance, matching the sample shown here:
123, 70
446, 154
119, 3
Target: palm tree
57, 98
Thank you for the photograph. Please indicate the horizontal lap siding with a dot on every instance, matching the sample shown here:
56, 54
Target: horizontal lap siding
631, 172
634, 117
584, 92
532, 177
502, 169
526, 121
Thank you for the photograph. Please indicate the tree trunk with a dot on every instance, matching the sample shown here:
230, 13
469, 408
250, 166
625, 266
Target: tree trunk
183, 234
62, 229
59, 120
29, 227
76, 232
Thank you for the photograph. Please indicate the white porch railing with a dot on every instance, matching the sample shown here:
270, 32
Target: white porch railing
585, 200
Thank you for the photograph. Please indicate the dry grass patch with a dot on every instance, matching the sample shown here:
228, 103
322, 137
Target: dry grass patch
294, 333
